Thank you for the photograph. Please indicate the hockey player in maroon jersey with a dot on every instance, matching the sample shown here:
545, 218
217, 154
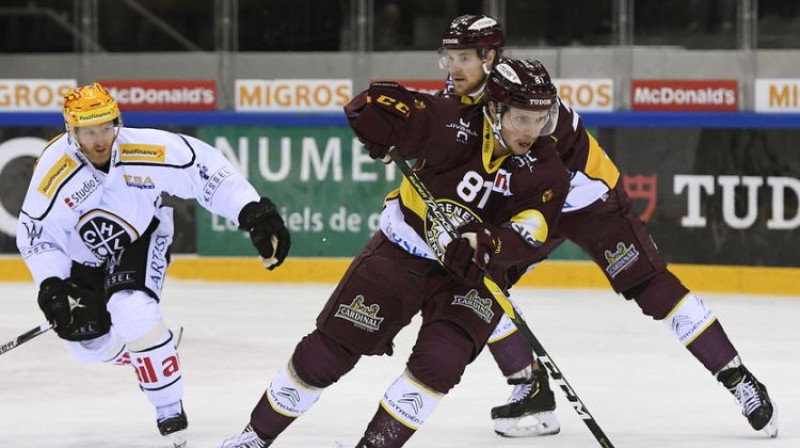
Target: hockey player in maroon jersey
598, 216
476, 161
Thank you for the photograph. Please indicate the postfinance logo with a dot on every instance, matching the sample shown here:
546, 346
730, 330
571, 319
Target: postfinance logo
65, 166
139, 152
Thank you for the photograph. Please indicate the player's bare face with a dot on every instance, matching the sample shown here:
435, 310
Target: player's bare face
95, 142
521, 128
466, 70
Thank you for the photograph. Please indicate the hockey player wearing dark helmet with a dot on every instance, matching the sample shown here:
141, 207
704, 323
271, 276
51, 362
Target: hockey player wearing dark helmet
471, 47
596, 196
504, 189
520, 97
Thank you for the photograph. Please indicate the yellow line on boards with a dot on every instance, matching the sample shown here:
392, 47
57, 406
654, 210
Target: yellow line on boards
550, 274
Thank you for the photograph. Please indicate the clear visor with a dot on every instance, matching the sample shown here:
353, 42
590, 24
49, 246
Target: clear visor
95, 132
525, 121
459, 59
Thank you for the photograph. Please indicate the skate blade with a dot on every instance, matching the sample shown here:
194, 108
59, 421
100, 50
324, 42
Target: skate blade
177, 438
541, 424
772, 426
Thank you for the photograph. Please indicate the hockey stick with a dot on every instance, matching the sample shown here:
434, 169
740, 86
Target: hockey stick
25, 337
502, 300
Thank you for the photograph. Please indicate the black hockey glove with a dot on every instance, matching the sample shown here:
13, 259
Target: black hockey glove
267, 231
77, 314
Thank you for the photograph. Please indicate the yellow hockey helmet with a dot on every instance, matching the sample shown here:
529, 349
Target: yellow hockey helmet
88, 105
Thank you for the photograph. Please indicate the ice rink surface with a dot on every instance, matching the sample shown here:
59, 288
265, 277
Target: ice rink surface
644, 389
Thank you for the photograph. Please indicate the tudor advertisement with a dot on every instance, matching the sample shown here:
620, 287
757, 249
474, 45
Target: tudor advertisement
709, 196
714, 196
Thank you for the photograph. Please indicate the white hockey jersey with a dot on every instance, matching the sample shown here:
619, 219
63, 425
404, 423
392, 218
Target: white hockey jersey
76, 212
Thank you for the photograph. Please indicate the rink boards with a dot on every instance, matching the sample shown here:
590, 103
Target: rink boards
550, 274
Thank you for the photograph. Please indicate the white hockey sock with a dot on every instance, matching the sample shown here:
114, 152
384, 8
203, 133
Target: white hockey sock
409, 401
289, 395
689, 318
158, 370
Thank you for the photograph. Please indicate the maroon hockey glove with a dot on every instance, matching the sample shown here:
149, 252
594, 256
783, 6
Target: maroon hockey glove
376, 152
382, 119
469, 256
458, 260
267, 231
482, 240
75, 313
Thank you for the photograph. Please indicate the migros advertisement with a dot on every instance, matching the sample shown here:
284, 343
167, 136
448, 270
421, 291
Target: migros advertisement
778, 95
292, 95
33, 95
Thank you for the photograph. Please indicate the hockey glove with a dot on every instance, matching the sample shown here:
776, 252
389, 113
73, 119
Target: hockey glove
469, 256
76, 314
267, 232
381, 121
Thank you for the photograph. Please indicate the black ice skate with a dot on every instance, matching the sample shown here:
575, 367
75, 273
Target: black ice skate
247, 439
752, 397
531, 399
174, 427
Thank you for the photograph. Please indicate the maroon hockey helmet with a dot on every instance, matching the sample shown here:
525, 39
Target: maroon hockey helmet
525, 85
522, 84
473, 31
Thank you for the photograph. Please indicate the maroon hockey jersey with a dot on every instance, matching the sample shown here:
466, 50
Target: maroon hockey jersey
519, 197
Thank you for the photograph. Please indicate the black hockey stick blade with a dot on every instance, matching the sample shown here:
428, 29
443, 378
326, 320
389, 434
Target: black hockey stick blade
441, 218
25, 337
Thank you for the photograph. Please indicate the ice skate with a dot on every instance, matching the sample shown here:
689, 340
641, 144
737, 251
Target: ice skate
172, 423
752, 397
529, 410
247, 439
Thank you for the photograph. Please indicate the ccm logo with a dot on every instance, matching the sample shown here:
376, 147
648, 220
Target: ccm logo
400, 106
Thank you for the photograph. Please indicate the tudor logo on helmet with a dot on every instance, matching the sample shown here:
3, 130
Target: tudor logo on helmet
480, 24
508, 73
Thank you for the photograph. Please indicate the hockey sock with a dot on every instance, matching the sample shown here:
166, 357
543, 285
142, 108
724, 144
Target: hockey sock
696, 326
511, 351
403, 409
158, 369
286, 398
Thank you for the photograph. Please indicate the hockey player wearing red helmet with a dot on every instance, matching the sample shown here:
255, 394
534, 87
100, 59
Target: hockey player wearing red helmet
622, 247
503, 184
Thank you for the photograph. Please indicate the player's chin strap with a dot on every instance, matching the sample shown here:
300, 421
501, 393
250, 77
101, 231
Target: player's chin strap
439, 216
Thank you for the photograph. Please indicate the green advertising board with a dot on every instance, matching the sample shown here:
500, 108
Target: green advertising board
328, 190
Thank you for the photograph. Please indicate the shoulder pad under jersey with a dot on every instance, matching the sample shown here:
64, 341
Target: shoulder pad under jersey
154, 147
54, 169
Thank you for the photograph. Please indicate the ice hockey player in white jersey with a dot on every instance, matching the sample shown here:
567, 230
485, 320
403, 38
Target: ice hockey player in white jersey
96, 238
